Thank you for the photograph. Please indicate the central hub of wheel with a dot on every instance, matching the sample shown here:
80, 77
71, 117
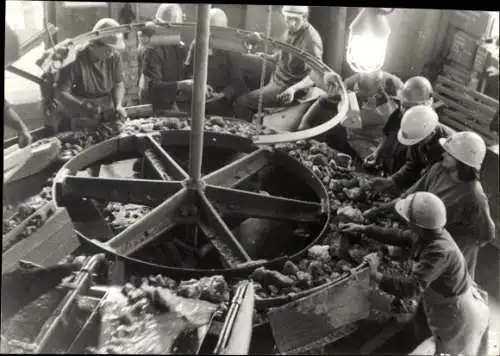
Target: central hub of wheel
241, 186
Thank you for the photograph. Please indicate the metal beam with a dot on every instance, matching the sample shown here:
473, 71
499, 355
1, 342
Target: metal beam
199, 91
159, 220
136, 191
240, 170
219, 234
263, 206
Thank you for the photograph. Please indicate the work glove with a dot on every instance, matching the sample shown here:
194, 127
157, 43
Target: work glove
373, 261
371, 160
287, 96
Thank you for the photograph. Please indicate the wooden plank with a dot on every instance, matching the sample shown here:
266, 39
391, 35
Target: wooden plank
460, 127
487, 112
469, 123
310, 322
473, 116
57, 222
456, 71
487, 100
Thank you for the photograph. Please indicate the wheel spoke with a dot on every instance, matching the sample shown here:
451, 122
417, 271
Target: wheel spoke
263, 206
159, 220
161, 161
240, 170
219, 235
135, 191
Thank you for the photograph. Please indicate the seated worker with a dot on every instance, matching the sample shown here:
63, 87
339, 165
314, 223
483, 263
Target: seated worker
223, 75
291, 74
374, 92
420, 131
11, 118
164, 73
390, 154
91, 89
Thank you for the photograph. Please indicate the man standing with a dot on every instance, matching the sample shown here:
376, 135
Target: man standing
224, 74
390, 153
291, 73
164, 74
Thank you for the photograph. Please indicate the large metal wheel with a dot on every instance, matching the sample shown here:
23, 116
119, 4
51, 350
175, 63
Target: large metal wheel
176, 199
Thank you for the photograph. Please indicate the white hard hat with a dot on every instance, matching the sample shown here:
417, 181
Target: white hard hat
114, 41
416, 91
423, 209
293, 10
467, 147
417, 123
218, 17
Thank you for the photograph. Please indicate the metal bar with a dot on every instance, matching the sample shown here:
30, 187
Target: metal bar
240, 170
159, 220
136, 191
83, 282
157, 166
263, 206
219, 234
172, 168
24, 74
199, 91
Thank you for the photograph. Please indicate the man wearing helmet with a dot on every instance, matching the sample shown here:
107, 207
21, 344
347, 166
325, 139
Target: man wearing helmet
455, 180
224, 74
455, 308
291, 74
11, 118
390, 154
420, 131
164, 75
91, 88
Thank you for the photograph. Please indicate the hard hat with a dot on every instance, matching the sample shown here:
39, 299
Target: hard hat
114, 41
416, 91
422, 209
218, 17
467, 147
294, 11
168, 12
417, 124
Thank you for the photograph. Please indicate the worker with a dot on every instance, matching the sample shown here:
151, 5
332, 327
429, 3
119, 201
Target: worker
224, 75
374, 92
165, 76
455, 181
456, 309
11, 118
291, 74
390, 154
421, 131
91, 89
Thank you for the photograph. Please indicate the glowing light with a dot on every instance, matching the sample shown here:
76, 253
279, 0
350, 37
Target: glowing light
367, 44
366, 53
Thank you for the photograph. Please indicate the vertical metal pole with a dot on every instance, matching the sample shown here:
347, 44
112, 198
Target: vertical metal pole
199, 91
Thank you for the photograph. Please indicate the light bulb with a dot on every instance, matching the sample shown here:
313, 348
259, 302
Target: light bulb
367, 44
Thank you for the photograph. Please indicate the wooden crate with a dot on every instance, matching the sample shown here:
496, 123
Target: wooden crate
466, 109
